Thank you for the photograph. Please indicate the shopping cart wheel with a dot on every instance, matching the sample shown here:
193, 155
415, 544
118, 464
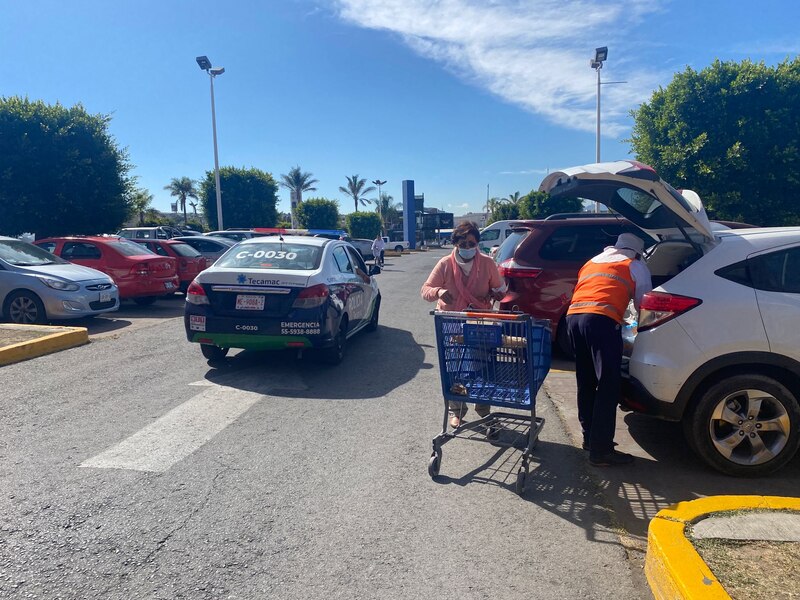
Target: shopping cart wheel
521, 477
434, 463
492, 433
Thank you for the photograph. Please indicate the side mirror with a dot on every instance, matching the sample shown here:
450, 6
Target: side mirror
374, 270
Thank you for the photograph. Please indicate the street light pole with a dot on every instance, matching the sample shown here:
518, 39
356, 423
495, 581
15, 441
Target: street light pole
379, 183
205, 65
600, 55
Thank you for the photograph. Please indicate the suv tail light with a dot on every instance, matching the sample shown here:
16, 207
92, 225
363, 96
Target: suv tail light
510, 268
312, 297
660, 307
195, 294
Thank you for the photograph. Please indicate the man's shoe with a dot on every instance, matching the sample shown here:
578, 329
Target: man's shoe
587, 447
611, 459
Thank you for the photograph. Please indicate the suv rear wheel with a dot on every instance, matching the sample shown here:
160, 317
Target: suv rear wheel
745, 425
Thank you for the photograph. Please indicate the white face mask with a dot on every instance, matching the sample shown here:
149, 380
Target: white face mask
467, 253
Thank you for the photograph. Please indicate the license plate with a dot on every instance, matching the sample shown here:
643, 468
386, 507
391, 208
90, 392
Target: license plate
105, 296
249, 302
197, 323
169, 285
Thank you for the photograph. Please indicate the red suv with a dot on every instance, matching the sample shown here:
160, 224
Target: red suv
139, 273
190, 261
541, 259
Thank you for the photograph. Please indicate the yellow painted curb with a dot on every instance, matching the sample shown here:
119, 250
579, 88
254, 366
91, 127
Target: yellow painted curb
673, 567
63, 338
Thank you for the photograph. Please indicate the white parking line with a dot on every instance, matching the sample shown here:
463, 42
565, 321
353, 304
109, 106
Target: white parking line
184, 429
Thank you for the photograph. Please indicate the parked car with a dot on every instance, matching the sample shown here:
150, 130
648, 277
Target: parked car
540, 261
236, 235
715, 347
494, 235
301, 292
396, 245
363, 246
210, 247
36, 286
139, 274
162, 232
189, 261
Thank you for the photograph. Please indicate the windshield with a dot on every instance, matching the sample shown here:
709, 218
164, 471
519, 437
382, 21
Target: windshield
185, 250
273, 256
507, 248
23, 254
487, 235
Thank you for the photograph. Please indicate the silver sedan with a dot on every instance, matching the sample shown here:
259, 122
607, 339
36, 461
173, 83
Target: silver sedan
36, 286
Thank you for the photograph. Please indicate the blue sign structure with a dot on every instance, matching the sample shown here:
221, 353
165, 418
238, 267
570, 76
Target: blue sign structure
409, 213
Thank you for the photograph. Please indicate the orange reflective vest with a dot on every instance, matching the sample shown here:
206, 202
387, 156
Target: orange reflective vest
603, 289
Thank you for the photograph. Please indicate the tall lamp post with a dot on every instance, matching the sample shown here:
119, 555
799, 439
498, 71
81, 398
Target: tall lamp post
596, 63
379, 183
205, 65
600, 56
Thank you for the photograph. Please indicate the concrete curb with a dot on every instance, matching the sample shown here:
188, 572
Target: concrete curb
61, 338
673, 567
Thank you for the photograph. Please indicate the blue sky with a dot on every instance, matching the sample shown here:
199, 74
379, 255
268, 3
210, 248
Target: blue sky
454, 94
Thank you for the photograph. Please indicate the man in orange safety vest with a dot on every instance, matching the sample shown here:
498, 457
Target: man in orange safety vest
606, 285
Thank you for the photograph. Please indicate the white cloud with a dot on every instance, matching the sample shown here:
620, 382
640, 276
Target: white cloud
532, 53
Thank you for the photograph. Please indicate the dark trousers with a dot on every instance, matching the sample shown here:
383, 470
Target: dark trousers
597, 341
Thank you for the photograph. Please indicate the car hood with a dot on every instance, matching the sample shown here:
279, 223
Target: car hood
71, 272
636, 192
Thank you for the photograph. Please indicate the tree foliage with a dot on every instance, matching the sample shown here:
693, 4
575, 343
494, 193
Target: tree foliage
61, 171
297, 181
318, 213
389, 210
730, 132
355, 189
248, 198
183, 188
538, 205
140, 202
363, 224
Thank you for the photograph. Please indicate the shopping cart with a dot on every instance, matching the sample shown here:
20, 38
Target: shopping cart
496, 358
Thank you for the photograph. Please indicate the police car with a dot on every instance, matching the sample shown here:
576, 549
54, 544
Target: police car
276, 292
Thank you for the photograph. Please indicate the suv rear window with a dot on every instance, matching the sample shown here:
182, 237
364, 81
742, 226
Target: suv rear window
508, 247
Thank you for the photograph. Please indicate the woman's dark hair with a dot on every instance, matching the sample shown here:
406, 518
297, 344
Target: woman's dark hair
463, 230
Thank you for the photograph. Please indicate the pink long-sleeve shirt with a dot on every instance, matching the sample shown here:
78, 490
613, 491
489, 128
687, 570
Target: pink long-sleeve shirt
481, 279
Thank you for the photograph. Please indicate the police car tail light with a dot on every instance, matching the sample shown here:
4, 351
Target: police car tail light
195, 294
311, 297
510, 268
660, 307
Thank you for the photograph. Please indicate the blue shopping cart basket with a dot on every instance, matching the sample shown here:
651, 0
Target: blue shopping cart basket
494, 358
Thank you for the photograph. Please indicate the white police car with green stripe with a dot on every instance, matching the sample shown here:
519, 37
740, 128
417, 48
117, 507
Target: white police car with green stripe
270, 293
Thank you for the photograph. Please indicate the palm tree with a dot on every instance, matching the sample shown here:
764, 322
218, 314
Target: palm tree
298, 182
140, 202
356, 190
183, 188
388, 210
514, 198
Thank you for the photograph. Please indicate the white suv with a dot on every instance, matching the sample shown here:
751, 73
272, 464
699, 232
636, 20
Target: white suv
718, 346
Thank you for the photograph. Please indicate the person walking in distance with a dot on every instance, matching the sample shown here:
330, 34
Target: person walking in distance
606, 285
378, 247
463, 279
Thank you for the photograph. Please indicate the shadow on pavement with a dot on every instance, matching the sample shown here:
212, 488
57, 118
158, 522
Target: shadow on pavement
374, 365
557, 482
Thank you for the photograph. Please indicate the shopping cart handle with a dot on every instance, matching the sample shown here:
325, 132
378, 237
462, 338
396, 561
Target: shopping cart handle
487, 314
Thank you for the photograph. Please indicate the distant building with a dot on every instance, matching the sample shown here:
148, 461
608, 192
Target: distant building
480, 218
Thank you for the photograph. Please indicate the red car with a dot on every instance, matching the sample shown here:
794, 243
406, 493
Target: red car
190, 261
139, 273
